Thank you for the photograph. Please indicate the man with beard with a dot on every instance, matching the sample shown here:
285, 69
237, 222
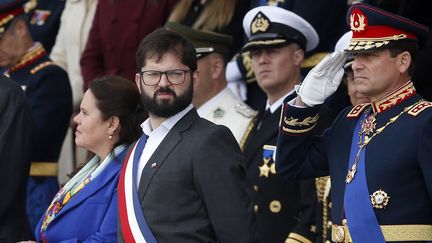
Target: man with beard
177, 178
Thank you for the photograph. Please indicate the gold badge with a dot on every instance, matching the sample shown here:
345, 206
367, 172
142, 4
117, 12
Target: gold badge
379, 199
368, 125
358, 20
275, 206
260, 23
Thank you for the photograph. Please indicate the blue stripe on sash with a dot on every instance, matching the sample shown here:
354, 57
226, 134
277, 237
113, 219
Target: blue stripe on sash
145, 230
362, 222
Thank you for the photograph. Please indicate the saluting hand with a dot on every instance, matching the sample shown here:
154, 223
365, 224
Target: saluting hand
323, 80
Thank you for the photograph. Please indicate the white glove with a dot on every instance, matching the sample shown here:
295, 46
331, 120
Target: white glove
235, 82
323, 80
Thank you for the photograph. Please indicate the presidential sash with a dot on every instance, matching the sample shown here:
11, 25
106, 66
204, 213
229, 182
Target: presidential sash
132, 219
362, 222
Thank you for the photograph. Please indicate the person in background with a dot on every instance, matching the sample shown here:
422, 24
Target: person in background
212, 98
76, 21
329, 26
44, 17
377, 154
109, 118
48, 92
15, 141
278, 39
117, 29
183, 180
220, 16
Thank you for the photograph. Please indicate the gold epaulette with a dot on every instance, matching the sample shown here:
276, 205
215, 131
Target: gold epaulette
419, 108
248, 132
313, 60
40, 66
357, 110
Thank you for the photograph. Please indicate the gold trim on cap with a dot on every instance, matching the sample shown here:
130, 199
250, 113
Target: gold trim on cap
264, 43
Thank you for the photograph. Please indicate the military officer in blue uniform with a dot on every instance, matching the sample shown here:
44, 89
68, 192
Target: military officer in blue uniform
44, 17
47, 89
278, 39
212, 98
377, 154
328, 24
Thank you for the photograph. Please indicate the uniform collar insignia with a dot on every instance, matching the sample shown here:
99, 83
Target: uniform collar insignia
357, 110
36, 52
218, 113
260, 23
394, 98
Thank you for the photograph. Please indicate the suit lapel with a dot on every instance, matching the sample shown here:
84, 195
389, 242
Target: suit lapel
164, 149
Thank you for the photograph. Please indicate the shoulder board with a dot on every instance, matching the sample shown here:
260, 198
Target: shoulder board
245, 110
40, 66
357, 110
419, 108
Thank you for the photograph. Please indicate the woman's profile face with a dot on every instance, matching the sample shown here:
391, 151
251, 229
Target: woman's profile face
92, 130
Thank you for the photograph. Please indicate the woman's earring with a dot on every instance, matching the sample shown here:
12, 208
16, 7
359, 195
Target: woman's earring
110, 136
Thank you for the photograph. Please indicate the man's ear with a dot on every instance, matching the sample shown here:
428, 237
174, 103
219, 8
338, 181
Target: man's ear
195, 80
298, 57
217, 65
138, 81
404, 61
20, 28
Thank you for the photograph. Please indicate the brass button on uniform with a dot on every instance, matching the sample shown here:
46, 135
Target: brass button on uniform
256, 208
255, 188
275, 206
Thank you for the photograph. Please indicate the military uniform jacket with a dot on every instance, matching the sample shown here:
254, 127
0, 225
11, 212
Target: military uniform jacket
49, 94
397, 161
44, 16
282, 208
230, 111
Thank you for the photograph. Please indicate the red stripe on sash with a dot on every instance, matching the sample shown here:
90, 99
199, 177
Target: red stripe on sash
124, 222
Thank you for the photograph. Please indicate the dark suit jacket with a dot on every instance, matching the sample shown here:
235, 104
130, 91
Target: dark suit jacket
49, 94
15, 131
195, 193
117, 30
297, 198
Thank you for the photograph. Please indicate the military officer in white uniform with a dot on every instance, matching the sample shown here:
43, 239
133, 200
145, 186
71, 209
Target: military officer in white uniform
212, 98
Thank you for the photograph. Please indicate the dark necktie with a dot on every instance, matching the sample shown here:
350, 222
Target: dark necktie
266, 114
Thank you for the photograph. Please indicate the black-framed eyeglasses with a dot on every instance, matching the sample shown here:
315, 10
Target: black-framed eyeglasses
174, 76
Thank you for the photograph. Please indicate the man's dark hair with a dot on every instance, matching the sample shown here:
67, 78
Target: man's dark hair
162, 41
411, 46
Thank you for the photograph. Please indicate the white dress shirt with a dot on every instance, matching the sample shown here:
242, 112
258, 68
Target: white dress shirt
155, 137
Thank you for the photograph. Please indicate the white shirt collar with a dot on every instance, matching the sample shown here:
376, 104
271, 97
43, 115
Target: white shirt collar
273, 107
168, 123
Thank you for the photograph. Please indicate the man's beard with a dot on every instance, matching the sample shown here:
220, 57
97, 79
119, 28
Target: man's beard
167, 108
